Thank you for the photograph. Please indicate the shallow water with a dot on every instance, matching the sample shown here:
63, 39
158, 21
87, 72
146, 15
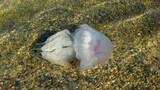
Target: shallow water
132, 26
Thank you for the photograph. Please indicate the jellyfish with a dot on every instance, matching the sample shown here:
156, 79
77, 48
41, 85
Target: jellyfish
91, 46
58, 48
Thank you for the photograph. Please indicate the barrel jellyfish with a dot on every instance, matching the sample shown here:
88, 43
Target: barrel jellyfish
89, 46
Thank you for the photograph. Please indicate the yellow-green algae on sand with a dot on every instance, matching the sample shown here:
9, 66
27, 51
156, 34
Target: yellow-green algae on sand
133, 27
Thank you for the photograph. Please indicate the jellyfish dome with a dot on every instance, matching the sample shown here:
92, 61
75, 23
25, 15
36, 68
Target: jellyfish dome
91, 46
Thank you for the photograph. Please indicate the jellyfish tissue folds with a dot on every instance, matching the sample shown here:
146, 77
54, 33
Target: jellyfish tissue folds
89, 46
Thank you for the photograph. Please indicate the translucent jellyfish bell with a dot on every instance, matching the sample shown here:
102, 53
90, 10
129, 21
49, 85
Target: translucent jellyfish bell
91, 46
58, 48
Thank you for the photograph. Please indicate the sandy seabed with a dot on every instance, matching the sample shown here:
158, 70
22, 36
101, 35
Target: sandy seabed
132, 26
